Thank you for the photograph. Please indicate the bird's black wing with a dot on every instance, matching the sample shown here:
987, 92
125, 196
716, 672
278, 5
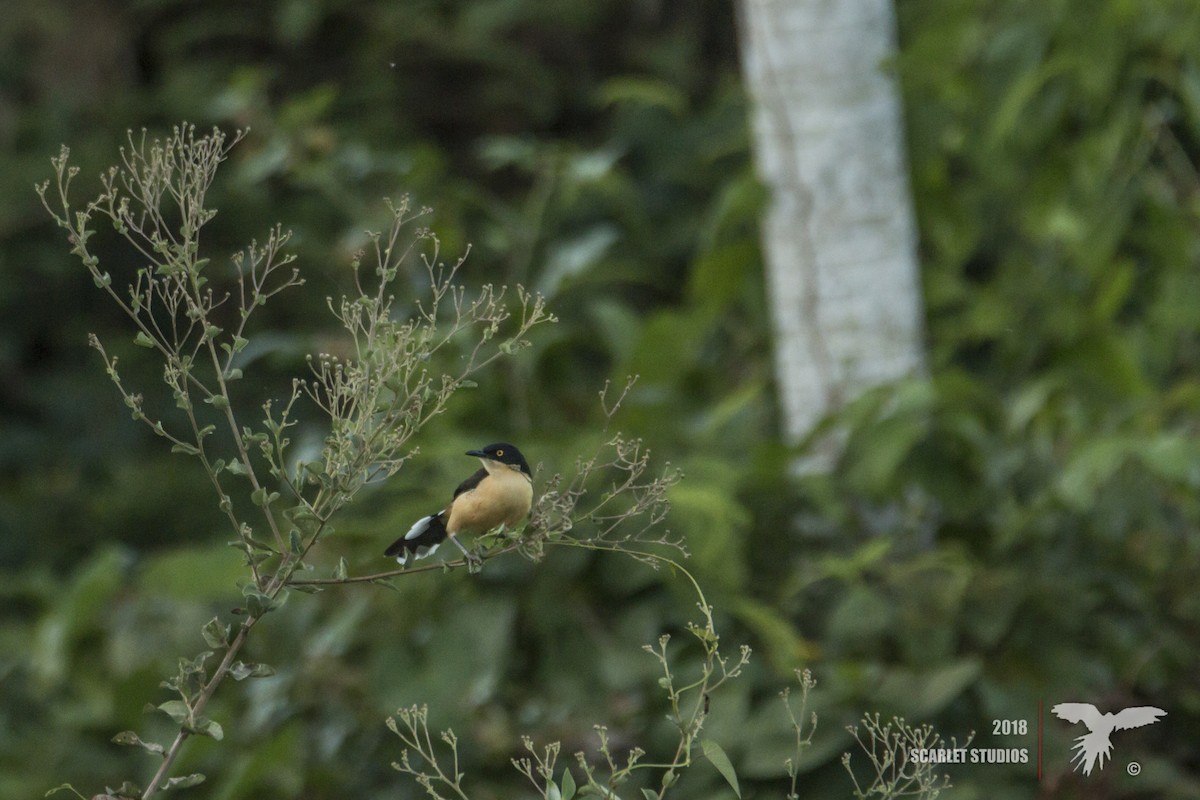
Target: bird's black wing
471, 482
420, 541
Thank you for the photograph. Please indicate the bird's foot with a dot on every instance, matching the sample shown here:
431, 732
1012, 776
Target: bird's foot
474, 562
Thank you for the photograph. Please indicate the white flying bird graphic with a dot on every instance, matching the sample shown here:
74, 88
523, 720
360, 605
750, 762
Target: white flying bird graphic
1094, 747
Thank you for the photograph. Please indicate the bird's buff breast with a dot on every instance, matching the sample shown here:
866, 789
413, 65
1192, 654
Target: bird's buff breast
501, 499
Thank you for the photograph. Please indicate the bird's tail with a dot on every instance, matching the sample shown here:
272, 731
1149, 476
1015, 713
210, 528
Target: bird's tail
421, 540
1091, 750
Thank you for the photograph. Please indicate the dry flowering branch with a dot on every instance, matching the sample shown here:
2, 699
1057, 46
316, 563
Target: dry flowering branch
797, 720
437, 769
196, 318
887, 746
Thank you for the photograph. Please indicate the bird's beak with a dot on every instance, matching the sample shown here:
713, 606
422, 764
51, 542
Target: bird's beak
477, 453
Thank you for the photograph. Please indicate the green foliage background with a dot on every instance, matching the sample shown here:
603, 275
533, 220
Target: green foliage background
1019, 527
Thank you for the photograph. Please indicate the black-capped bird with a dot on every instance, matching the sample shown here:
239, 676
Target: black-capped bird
499, 493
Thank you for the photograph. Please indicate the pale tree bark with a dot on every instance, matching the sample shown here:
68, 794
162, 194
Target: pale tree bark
839, 235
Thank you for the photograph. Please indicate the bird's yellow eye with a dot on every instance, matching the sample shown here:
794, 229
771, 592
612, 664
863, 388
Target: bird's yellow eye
500, 453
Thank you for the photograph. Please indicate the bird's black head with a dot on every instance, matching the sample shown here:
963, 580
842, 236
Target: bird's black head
504, 453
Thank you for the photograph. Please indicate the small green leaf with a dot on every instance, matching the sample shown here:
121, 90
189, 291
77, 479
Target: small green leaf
207, 727
340, 571
186, 449
257, 603
126, 789
126, 738
259, 496
215, 634
218, 401
716, 756
240, 670
143, 340
235, 468
130, 738
102, 280
184, 781
177, 710
239, 344
568, 784
295, 542
300, 515
233, 375
705, 635
649, 794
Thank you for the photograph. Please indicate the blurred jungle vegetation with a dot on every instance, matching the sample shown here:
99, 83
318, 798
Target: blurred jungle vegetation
1019, 527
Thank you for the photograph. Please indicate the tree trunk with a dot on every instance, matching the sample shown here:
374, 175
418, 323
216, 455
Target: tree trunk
839, 234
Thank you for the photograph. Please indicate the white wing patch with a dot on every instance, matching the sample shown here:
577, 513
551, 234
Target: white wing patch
421, 552
419, 527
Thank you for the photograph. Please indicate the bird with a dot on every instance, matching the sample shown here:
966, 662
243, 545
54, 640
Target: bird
1094, 747
499, 493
